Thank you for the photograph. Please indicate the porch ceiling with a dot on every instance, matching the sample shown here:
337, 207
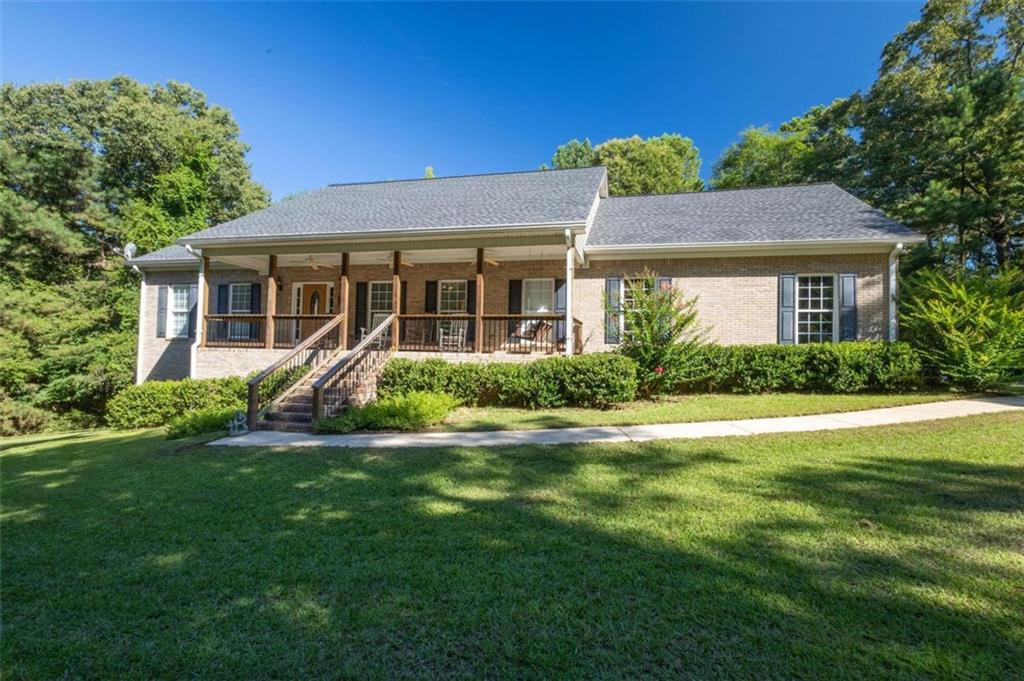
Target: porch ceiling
412, 257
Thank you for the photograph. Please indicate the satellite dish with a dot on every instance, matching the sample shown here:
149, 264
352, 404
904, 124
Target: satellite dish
129, 251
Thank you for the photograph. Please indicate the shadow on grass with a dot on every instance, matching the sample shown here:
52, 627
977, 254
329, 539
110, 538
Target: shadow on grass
656, 560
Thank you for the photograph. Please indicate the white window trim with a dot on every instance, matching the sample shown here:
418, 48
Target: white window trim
622, 301
369, 298
296, 304
441, 283
231, 298
554, 302
169, 320
835, 305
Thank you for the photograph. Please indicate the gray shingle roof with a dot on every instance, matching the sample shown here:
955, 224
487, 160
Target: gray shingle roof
169, 254
817, 212
500, 200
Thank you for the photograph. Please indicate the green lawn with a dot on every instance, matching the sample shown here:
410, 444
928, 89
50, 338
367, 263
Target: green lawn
680, 410
880, 553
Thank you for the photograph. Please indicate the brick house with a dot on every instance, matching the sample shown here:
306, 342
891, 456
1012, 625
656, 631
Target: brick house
509, 266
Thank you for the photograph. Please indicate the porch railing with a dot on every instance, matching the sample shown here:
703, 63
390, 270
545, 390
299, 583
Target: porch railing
276, 380
250, 330
336, 385
514, 333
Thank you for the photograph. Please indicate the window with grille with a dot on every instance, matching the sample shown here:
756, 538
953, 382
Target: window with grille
452, 296
380, 298
177, 312
815, 309
538, 295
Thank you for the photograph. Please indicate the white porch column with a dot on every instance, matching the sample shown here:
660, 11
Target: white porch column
140, 344
570, 267
894, 266
202, 293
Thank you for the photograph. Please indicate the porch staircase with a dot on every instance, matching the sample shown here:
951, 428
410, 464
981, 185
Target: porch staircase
333, 380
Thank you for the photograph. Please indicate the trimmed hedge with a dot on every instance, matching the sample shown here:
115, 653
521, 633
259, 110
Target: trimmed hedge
413, 411
155, 403
865, 366
596, 380
199, 422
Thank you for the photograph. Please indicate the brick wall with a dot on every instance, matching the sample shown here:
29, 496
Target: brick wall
221, 362
737, 298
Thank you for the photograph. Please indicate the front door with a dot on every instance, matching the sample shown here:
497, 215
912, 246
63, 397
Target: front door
312, 301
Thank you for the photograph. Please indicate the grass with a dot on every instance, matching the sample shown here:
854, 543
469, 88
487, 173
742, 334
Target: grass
681, 410
890, 552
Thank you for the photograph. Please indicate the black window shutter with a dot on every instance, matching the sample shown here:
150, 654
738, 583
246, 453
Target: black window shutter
222, 298
361, 296
403, 298
612, 309
560, 290
471, 308
787, 309
515, 296
255, 299
193, 308
161, 312
430, 298
848, 307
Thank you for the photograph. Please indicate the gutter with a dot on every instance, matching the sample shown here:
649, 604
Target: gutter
402, 234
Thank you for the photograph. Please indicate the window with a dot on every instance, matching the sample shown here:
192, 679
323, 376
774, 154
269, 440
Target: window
240, 299
380, 298
815, 309
628, 286
452, 296
240, 302
177, 312
538, 295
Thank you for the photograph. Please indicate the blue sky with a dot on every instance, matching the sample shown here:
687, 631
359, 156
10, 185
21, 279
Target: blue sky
339, 92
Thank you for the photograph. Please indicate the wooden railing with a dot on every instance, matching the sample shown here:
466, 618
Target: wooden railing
235, 330
292, 329
433, 332
515, 333
336, 385
275, 381
250, 330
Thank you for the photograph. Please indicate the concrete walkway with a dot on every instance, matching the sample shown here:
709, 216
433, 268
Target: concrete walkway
663, 431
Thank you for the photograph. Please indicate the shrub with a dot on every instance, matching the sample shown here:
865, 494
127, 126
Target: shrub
598, 380
969, 328
826, 367
155, 403
413, 411
661, 327
18, 418
199, 422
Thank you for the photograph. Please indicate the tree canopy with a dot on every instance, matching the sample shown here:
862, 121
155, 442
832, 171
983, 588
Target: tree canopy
87, 167
937, 141
656, 165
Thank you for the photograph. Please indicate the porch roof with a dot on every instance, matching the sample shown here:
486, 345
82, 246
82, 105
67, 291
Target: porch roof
506, 201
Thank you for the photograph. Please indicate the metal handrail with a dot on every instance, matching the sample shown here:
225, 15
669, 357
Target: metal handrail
309, 350
370, 349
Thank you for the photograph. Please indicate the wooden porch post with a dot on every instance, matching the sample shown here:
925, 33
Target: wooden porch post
478, 337
204, 275
396, 298
343, 300
271, 300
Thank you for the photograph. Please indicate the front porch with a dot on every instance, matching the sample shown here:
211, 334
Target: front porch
500, 301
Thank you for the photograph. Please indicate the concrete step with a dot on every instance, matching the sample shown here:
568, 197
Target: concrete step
289, 416
285, 426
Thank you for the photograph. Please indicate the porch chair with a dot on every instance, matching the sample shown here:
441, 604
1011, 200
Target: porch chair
528, 333
451, 335
376, 320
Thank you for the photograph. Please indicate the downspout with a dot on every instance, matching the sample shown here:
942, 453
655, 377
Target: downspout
894, 266
193, 358
570, 266
140, 345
